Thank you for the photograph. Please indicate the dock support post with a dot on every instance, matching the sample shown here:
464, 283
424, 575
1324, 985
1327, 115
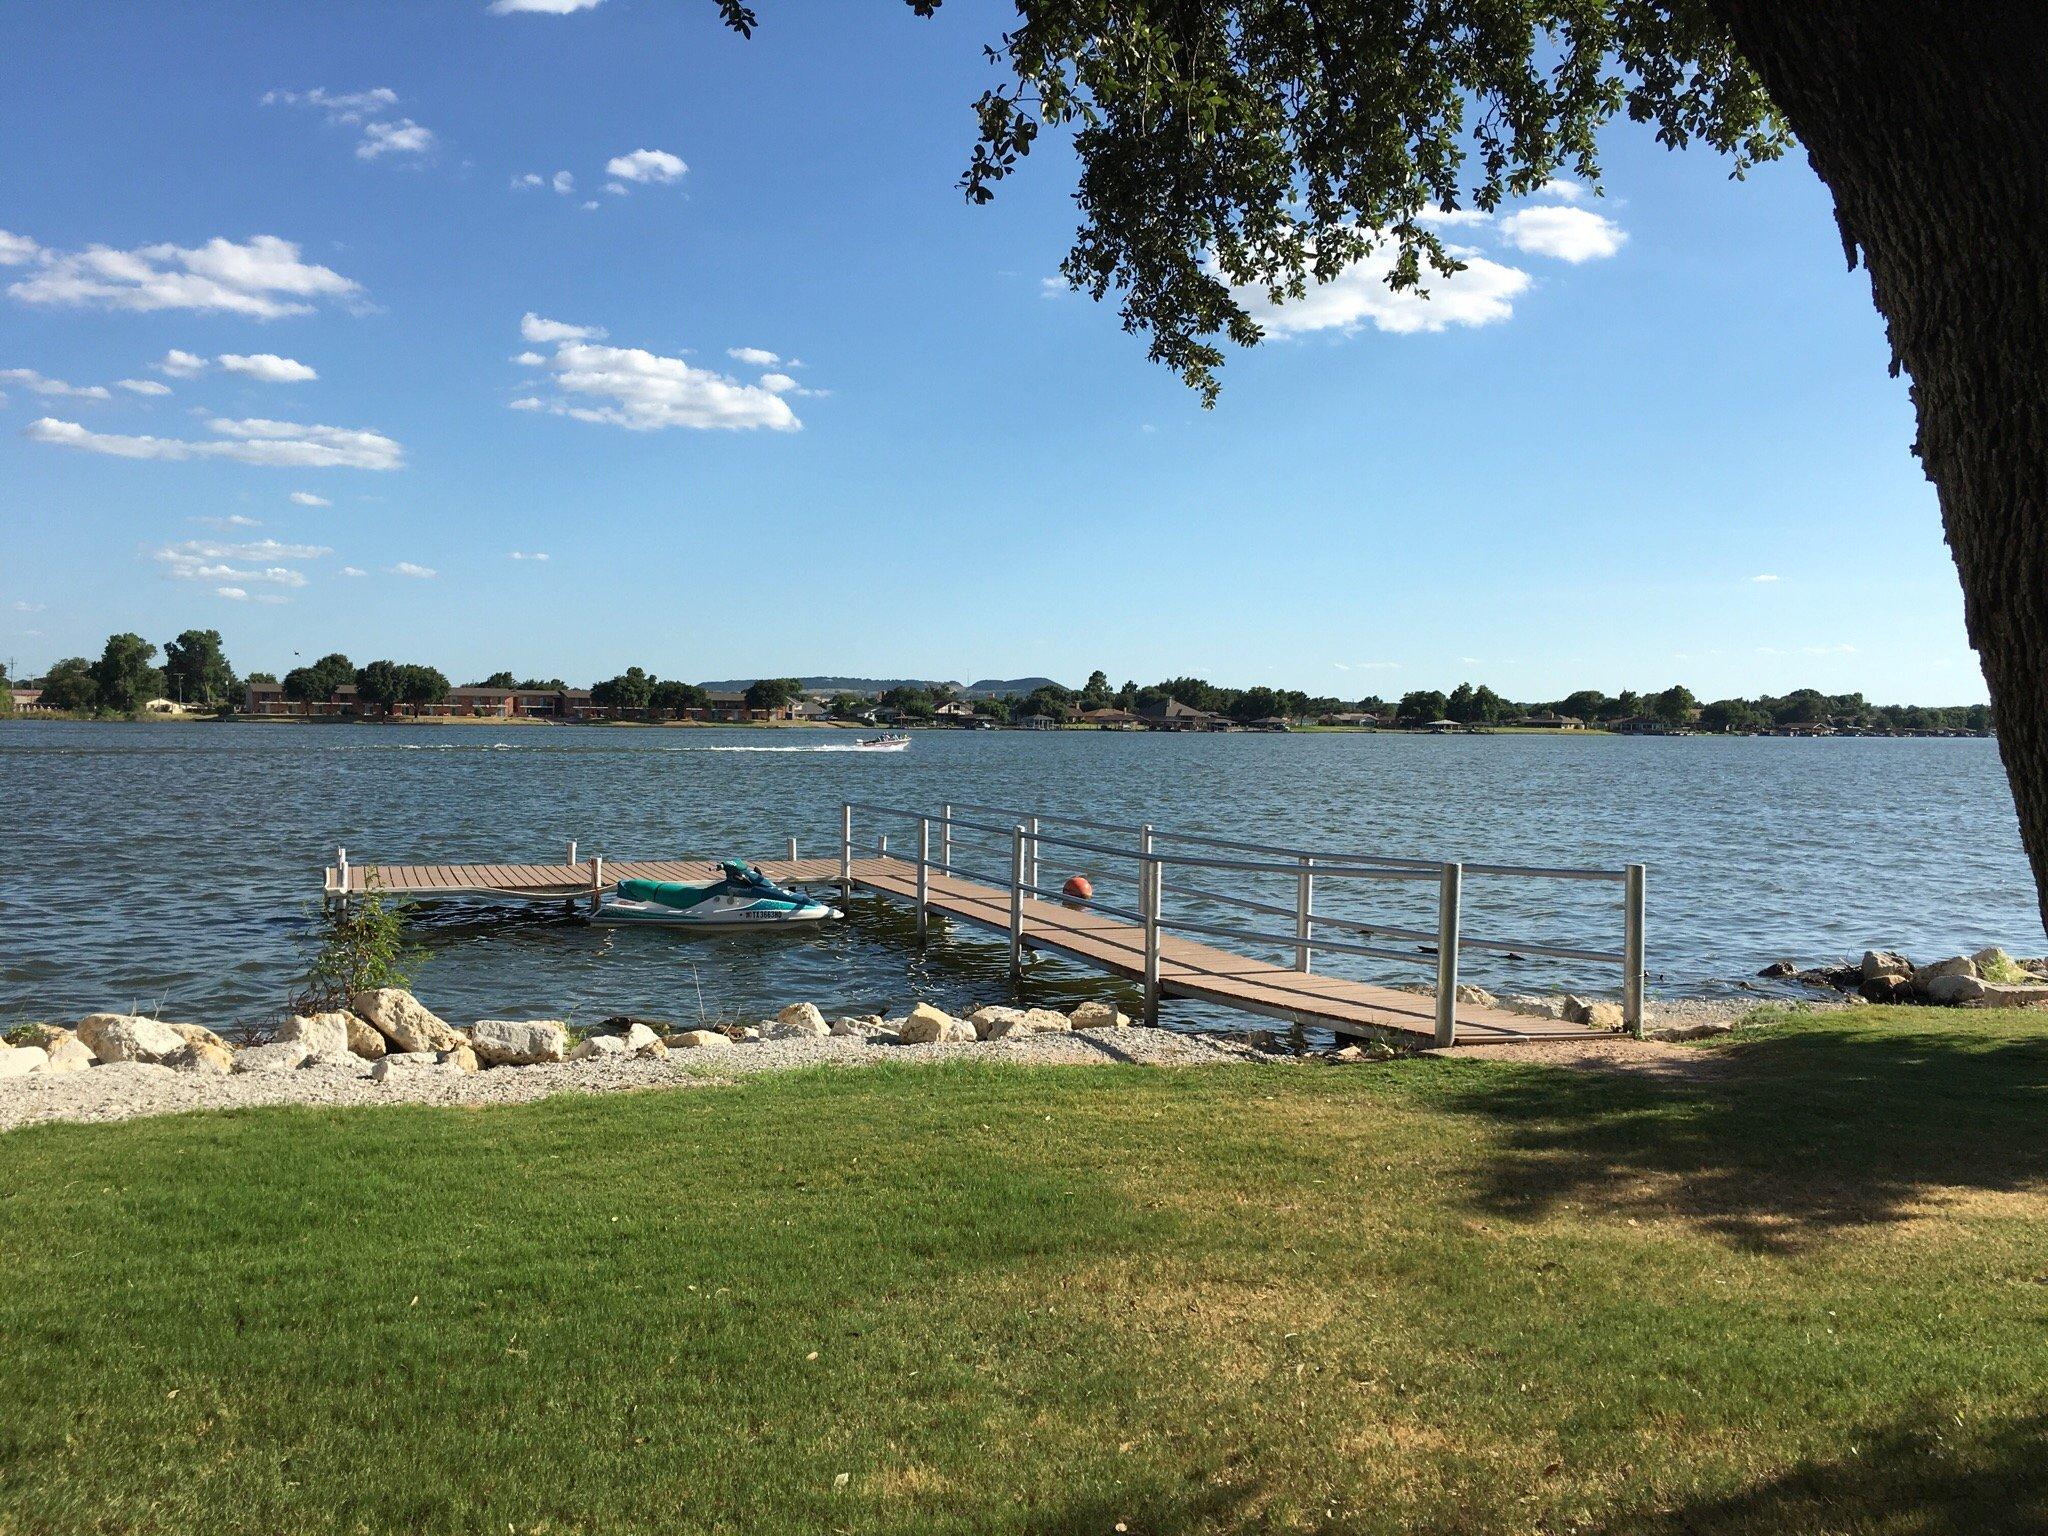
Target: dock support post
1031, 853
924, 872
946, 839
1447, 901
1148, 905
846, 849
1304, 909
572, 850
341, 877
792, 850
1017, 903
1632, 955
596, 879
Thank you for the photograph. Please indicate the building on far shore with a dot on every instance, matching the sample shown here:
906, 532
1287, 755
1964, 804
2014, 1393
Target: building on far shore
1546, 721
1035, 723
1350, 717
1172, 715
1111, 719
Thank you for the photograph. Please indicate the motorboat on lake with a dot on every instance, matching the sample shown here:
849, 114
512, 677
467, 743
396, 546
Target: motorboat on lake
889, 741
741, 897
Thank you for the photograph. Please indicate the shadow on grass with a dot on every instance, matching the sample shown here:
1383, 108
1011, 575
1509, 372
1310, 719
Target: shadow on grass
1933, 1478
1806, 1130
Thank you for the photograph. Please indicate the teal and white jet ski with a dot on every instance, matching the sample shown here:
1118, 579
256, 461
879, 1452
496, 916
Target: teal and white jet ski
742, 897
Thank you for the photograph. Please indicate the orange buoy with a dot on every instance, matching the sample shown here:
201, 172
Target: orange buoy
1078, 888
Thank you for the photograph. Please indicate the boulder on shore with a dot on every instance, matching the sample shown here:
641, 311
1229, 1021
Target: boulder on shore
1955, 965
70, 1054
406, 1064
1995, 965
1952, 987
1887, 989
698, 1040
1592, 1013
504, 1043
130, 1037
199, 1034
1777, 970
996, 1023
405, 1021
929, 1025
198, 1056
48, 1036
23, 1060
601, 1047
365, 1039
1996, 995
278, 1056
802, 1019
1098, 1015
462, 1059
323, 1034
1885, 962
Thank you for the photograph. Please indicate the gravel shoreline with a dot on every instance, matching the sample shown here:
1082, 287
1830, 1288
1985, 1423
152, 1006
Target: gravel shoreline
127, 1090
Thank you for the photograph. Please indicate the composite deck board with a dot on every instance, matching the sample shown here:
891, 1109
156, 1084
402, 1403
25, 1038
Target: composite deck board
1187, 968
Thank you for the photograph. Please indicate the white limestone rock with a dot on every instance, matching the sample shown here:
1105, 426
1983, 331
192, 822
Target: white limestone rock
23, 1060
929, 1025
803, 1019
1001, 1023
279, 1056
325, 1035
699, 1040
70, 1054
401, 1064
504, 1043
203, 1058
462, 1059
130, 1037
365, 1039
601, 1048
405, 1021
1098, 1015
1951, 988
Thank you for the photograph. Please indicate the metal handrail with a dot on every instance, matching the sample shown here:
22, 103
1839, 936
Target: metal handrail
1027, 836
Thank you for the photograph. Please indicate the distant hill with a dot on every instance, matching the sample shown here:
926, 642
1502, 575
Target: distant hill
996, 688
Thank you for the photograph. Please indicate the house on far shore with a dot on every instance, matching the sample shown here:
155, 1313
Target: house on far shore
1111, 719
29, 701
1172, 715
1035, 723
956, 711
1546, 721
1350, 717
809, 709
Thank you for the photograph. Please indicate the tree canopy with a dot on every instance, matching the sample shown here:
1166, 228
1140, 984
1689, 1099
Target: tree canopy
196, 669
123, 677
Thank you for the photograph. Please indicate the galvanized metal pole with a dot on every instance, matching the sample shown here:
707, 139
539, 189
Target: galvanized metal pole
846, 849
572, 850
596, 879
792, 850
1304, 909
1632, 954
1154, 887
1017, 903
946, 839
1447, 902
1031, 854
924, 863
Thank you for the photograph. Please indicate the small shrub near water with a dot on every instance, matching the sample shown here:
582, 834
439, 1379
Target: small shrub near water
365, 948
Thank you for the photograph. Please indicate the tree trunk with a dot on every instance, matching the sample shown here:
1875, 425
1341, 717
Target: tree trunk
1928, 120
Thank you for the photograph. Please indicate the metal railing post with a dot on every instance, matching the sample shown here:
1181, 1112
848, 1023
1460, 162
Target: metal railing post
792, 850
924, 859
596, 879
946, 839
1017, 903
1148, 905
1447, 901
1632, 954
846, 849
1031, 853
1304, 910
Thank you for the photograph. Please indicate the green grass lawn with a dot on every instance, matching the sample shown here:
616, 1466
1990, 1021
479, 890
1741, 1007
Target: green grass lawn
1807, 1291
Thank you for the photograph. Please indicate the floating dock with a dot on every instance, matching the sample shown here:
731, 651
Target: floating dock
1148, 945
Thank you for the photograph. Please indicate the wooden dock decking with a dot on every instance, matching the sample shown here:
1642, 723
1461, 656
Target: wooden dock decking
1186, 968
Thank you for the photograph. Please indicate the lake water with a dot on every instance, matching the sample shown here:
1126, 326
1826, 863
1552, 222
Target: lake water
178, 866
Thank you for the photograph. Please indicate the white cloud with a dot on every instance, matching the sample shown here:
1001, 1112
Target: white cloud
753, 357
17, 250
541, 7
267, 367
777, 383
589, 205
181, 365
1452, 217
353, 570
530, 360
655, 167
403, 137
407, 568
308, 499
381, 135
262, 279
142, 386
28, 607
1482, 294
1569, 234
564, 183
181, 563
616, 188
530, 179
1827, 650
1766, 577
227, 524
251, 441
1567, 189
535, 329
1366, 666
42, 384
244, 595
254, 549
646, 392
521, 554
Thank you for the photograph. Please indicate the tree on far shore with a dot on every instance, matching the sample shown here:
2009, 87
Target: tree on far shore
1233, 150
196, 669
69, 685
773, 693
124, 678
315, 684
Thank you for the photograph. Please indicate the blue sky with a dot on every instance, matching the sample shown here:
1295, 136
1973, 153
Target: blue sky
1577, 469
